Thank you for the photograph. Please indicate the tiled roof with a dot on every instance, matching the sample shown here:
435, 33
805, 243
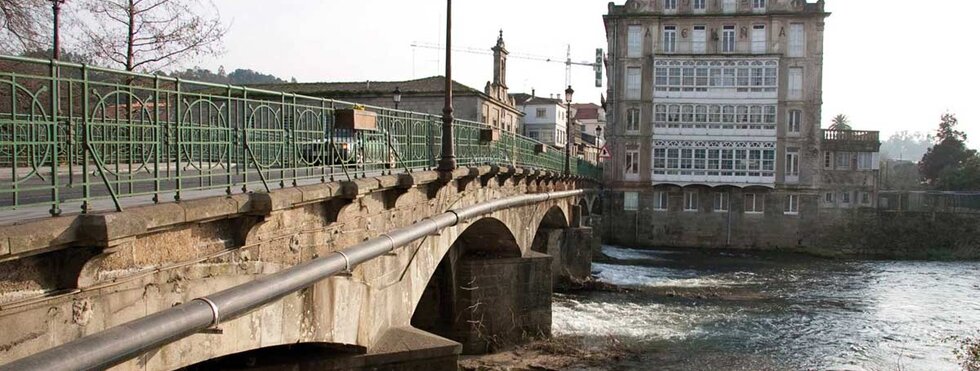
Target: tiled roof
428, 85
527, 99
586, 111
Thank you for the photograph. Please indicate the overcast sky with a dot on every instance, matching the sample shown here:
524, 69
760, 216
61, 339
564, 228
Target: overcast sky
890, 65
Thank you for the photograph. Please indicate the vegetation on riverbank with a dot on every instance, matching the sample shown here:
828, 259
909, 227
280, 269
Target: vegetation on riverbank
969, 353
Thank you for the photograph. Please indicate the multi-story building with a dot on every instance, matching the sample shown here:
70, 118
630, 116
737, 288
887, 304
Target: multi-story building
592, 120
545, 119
714, 123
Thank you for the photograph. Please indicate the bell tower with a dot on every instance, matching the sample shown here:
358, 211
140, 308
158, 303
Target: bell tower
500, 63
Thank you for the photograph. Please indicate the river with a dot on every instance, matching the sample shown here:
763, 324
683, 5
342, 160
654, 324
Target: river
734, 310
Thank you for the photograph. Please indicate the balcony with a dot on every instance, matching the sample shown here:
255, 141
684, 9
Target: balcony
851, 140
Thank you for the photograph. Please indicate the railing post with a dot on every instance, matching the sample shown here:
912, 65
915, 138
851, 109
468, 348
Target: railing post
159, 128
53, 130
179, 140
86, 141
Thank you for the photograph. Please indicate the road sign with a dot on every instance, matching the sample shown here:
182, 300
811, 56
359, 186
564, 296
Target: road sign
604, 153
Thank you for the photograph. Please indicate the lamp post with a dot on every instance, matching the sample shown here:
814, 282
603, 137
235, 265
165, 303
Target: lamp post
568, 130
397, 97
448, 160
56, 9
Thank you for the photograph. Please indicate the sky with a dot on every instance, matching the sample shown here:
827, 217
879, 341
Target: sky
889, 65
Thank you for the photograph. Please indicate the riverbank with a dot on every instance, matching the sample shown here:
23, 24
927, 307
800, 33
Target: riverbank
559, 353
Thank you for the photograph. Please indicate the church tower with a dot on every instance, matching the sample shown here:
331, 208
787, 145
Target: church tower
500, 65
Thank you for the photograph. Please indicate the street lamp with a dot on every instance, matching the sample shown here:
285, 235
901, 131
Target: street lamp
568, 130
56, 9
447, 161
397, 97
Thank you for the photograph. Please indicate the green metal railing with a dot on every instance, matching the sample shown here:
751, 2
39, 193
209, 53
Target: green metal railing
72, 134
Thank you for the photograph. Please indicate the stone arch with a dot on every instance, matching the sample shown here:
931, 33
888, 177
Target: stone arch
584, 206
300, 355
553, 220
596, 206
454, 303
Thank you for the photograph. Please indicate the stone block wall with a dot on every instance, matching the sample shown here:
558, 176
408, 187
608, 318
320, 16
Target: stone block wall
503, 302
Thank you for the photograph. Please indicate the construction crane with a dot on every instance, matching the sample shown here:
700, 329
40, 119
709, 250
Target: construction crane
568, 62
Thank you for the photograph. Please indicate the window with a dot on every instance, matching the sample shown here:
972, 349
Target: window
866, 161
792, 206
759, 39
633, 76
794, 122
721, 202
670, 39
631, 201
792, 162
829, 198
634, 41
632, 162
541, 113
633, 120
865, 198
532, 135
670, 6
754, 203
795, 83
845, 197
759, 6
728, 39
828, 160
660, 200
699, 6
797, 40
699, 42
691, 201
843, 161
729, 6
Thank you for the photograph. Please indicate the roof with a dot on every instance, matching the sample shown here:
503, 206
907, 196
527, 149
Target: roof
428, 85
530, 100
586, 111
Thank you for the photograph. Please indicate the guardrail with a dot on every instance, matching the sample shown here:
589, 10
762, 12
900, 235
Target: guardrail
72, 134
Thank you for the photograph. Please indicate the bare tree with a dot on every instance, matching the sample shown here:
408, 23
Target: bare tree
24, 25
149, 35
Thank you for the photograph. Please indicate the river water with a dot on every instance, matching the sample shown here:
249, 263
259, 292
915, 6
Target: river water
750, 311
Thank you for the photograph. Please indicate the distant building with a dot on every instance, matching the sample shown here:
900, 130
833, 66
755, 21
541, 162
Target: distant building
714, 125
592, 118
545, 119
492, 106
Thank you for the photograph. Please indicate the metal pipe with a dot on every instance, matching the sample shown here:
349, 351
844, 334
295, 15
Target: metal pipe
118, 344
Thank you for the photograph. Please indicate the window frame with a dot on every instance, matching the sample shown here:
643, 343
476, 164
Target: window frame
759, 40
669, 40
758, 205
631, 165
728, 40
634, 41
794, 83
794, 121
792, 168
670, 6
634, 88
691, 201
699, 45
722, 201
633, 119
729, 6
792, 204
631, 201
759, 6
796, 41
703, 6
661, 201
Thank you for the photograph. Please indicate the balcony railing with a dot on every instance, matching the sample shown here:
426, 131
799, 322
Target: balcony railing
850, 135
71, 134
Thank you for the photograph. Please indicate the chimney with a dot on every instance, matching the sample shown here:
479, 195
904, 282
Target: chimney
532, 92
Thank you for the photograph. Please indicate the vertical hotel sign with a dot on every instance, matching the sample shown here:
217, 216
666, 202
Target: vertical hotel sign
598, 67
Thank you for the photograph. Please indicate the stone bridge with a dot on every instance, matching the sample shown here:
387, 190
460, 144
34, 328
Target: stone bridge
478, 286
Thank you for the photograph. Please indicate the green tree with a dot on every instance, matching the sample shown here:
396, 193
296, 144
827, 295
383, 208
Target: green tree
950, 165
840, 122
